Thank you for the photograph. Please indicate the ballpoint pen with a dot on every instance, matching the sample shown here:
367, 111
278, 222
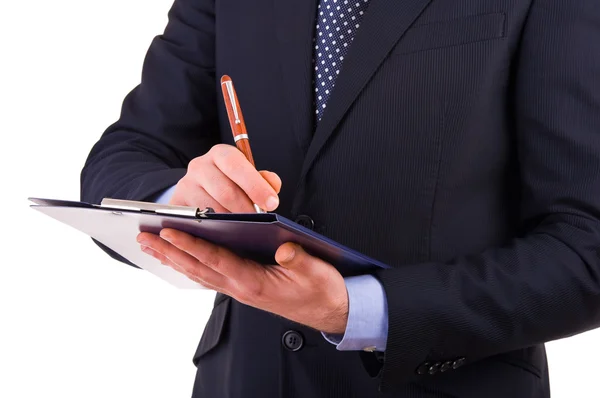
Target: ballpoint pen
236, 120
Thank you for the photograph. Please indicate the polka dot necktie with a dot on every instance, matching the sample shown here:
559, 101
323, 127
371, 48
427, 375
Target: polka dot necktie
337, 23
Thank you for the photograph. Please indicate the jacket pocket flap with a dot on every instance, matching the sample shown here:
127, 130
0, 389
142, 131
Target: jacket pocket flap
452, 33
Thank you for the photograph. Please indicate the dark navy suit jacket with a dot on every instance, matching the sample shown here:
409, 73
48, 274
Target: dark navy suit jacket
461, 145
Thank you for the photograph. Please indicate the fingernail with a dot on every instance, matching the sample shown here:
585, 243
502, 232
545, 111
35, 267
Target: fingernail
147, 250
142, 241
166, 236
290, 255
272, 202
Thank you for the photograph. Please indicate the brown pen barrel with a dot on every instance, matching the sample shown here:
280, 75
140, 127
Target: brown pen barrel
236, 121
244, 146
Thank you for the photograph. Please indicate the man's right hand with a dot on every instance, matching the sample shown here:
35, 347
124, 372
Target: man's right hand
226, 181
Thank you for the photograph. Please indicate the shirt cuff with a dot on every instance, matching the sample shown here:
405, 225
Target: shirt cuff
367, 326
164, 197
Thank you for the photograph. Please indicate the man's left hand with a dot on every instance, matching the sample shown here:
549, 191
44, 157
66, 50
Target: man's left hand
303, 288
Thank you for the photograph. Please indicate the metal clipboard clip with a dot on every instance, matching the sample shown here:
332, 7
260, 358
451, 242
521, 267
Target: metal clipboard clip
147, 207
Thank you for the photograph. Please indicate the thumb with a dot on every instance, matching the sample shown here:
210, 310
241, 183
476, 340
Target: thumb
291, 255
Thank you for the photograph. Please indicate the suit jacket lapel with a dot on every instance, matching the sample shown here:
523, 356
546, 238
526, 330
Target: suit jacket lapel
383, 25
295, 25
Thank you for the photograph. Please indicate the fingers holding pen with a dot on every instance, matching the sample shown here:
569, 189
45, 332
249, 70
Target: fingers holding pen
238, 169
273, 179
225, 180
225, 192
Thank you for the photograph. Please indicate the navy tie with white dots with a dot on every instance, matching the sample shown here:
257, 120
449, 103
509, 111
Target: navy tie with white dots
337, 23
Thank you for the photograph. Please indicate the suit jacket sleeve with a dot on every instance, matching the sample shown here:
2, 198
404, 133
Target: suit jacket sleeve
167, 120
544, 284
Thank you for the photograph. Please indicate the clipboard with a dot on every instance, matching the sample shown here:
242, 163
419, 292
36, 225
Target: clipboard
116, 223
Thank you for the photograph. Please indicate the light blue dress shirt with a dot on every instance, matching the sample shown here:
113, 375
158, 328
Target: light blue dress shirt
367, 326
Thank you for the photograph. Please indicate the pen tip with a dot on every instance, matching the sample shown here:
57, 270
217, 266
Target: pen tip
225, 78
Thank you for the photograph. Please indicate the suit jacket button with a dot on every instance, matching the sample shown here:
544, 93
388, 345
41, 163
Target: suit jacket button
292, 340
433, 369
446, 366
306, 222
423, 368
458, 363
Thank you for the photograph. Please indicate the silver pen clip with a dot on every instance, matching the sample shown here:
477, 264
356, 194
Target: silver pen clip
229, 86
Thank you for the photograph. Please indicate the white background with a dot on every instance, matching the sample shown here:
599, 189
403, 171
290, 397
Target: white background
73, 322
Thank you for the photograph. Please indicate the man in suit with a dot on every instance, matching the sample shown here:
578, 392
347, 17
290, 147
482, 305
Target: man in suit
456, 141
